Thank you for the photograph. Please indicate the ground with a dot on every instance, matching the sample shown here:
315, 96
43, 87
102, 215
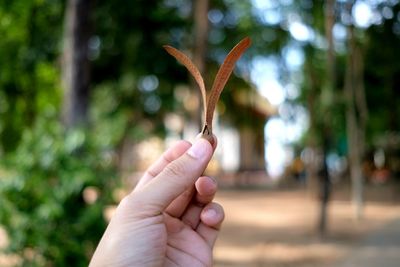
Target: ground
278, 228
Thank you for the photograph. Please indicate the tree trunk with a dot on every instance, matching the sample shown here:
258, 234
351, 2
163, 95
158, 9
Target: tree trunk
360, 98
325, 129
200, 14
354, 138
325, 190
311, 161
75, 68
331, 64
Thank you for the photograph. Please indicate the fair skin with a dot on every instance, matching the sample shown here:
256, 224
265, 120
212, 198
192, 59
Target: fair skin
169, 219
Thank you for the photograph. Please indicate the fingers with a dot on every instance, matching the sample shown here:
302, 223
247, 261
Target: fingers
170, 155
175, 178
179, 204
211, 217
206, 187
201, 194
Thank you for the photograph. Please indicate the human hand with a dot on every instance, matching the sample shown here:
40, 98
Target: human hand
169, 219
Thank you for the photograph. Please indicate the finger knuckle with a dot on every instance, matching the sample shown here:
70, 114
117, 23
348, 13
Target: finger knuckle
175, 168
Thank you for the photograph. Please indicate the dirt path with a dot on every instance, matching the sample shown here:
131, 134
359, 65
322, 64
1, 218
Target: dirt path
380, 248
277, 229
264, 228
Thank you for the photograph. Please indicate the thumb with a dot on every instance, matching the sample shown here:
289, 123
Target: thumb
174, 179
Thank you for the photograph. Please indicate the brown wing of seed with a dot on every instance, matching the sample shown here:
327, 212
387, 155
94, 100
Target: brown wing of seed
221, 79
184, 60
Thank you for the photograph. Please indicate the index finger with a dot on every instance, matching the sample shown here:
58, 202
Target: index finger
174, 179
167, 157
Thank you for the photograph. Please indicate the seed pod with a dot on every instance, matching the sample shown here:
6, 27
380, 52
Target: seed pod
219, 82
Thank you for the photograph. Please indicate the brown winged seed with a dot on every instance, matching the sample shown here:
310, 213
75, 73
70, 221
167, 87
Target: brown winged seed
219, 82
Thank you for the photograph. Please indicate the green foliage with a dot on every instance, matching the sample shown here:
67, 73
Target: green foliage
30, 37
48, 220
44, 168
382, 74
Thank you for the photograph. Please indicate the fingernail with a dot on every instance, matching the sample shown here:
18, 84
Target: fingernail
210, 213
198, 149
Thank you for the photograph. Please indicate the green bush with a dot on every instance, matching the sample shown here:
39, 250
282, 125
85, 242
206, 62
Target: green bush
43, 209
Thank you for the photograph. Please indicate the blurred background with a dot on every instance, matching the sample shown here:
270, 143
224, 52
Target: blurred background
308, 125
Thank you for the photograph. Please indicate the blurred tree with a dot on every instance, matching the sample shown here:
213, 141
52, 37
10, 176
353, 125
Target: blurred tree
382, 73
45, 182
364, 125
30, 32
53, 198
201, 29
318, 94
75, 65
329, 11
141, 81
356, 117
